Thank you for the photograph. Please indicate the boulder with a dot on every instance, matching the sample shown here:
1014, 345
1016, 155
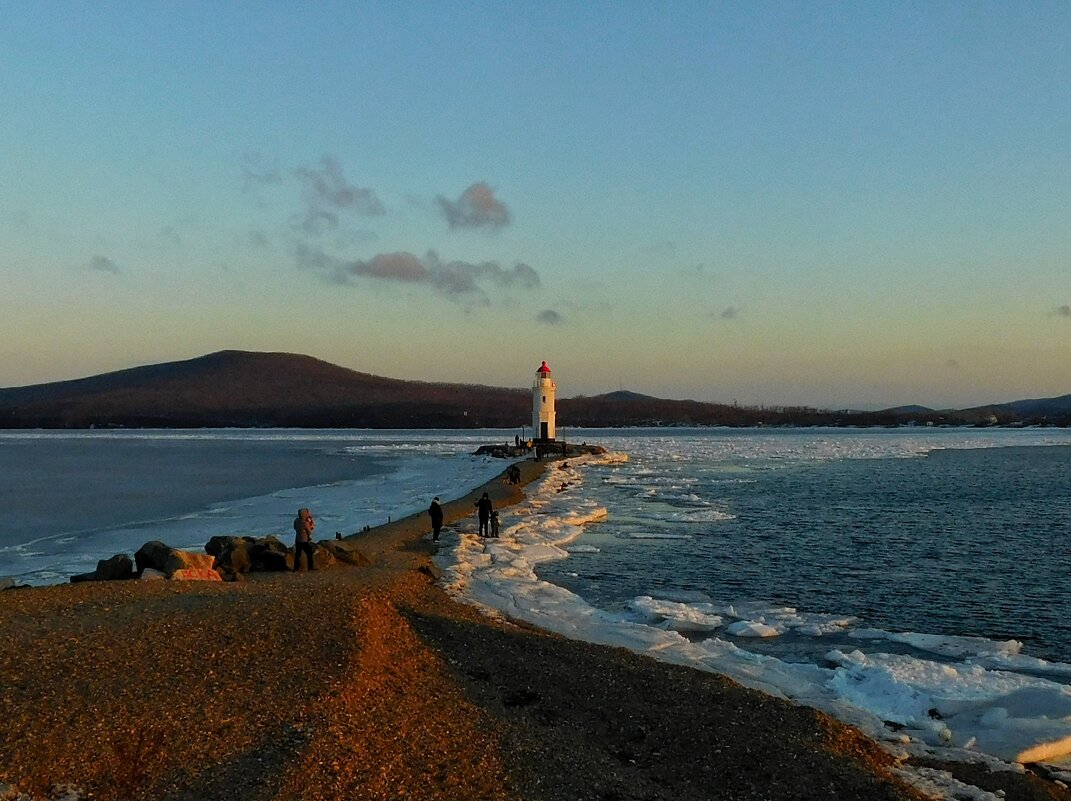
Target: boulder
342, 551
219, 544
7, 583
268, 554
186, 560
233, 560
148, 574
321, 556
152, 554
195, 574
119, 568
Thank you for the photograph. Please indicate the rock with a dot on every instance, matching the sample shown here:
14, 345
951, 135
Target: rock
431, 571
268, 554
343, 551
186, 560
148, 574
7, 583
219, 544
152, 554
195, 574
233, 559
118, 568
80, 577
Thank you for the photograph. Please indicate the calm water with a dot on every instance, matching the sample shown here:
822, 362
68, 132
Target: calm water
71, 498
949, 533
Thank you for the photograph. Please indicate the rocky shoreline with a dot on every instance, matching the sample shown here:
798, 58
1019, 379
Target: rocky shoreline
367, 681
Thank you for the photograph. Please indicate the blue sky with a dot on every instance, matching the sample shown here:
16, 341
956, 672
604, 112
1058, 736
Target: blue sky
830, 204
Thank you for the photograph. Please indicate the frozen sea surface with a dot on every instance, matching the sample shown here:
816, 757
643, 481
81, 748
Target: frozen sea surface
915, 585
71, 498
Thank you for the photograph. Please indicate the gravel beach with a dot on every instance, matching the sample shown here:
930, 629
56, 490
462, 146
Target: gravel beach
370, 683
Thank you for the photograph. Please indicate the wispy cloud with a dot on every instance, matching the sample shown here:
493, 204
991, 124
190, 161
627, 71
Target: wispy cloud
328, 193
665, 248
256, 173
549, 317
103, 264
477, 207
170, 236
328, 186
458, 280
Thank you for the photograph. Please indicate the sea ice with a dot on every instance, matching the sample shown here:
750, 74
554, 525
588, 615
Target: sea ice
969, 696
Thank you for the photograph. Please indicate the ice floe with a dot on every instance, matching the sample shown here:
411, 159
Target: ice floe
961, 695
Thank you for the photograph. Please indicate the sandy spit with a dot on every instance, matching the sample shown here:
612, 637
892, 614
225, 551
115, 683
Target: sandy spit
370, 683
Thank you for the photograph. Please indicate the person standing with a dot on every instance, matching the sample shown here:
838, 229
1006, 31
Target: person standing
494, 525
436, 513
303, 528
484, 509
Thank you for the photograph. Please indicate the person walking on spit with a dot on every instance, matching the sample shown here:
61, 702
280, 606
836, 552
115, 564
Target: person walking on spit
484, 509
436, 513
303, 526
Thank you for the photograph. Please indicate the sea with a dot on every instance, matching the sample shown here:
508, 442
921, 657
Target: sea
914, 581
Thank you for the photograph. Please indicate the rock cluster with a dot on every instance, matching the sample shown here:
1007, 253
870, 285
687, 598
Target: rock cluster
224, 559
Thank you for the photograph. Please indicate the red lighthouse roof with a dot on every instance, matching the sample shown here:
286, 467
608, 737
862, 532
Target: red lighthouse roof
543, 368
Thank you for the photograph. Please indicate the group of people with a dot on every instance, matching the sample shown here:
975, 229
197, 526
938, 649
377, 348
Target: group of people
485, 512
304, 525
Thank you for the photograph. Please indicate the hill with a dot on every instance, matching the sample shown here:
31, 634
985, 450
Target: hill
237, 388
243, 389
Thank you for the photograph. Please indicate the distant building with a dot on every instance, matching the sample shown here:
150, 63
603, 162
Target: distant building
543, 405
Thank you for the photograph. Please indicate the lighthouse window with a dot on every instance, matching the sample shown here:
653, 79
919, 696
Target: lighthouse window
544, 399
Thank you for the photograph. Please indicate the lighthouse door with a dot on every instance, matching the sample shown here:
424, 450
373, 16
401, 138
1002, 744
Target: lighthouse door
543, 431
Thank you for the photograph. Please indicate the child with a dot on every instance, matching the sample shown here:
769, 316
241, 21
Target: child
494, 524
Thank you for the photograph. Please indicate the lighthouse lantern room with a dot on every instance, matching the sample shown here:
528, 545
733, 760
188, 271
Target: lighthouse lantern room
543, 405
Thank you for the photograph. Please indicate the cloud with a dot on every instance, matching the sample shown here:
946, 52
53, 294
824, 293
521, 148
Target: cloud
549, 317
328, 186
104, 265
1062, 311
457, 280
729, 313
402, 267
171, 236
664, 248
476, 208
317, 221
256, 173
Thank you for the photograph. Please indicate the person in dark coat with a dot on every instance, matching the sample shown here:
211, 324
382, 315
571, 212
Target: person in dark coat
436, 513
303, 527
484, 509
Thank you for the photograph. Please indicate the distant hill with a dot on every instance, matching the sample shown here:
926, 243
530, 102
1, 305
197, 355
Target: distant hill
237, 388
242, 389
1042, 407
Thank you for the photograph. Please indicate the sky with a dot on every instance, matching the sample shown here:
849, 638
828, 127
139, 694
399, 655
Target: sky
841, 205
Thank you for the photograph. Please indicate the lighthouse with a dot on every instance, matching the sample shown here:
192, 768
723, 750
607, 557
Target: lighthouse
543, 405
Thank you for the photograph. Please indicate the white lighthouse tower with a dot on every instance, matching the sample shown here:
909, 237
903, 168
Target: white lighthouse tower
543, 405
